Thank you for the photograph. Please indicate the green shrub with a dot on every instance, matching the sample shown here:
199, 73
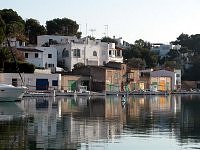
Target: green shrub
10, 67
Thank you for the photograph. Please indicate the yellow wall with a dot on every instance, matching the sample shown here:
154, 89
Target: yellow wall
163, 83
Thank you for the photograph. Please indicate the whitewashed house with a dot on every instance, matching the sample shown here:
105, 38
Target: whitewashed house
34, 81
89, 52
161, 49
54, 39
41, 57
121, 43
13, 42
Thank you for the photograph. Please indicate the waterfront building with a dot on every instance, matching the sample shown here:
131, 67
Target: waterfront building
133, 79
111, 77
71, 83
144, 82
164, 80
33, 81
159, 80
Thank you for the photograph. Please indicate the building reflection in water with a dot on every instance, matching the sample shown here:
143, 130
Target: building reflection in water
12, 126
42, 122
190, 119
145, 114
91, 119
83, 120
73, 123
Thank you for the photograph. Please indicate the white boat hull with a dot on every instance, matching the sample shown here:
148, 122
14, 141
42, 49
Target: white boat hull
11, 93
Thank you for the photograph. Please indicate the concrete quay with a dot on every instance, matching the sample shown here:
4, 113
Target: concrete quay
88, 93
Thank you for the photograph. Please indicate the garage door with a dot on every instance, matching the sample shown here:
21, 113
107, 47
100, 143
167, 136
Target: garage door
42, 84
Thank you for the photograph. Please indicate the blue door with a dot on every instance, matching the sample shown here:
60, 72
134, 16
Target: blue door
42, 84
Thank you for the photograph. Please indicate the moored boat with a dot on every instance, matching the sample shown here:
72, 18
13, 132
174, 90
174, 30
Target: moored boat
11, 93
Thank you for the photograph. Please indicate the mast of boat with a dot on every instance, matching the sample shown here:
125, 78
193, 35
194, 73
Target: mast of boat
16, 65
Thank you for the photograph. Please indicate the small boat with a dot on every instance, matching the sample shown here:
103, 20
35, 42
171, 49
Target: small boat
11, 93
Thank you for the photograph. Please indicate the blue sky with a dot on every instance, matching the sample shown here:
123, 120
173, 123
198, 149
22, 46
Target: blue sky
151, 20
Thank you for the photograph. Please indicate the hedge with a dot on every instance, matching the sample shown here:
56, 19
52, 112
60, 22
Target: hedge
10, 67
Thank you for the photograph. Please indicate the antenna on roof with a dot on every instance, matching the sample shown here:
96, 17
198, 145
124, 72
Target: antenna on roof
86, 30
106, 30
104, 34
92, 31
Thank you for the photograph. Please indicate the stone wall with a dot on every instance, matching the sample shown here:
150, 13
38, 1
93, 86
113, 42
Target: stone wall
187, 85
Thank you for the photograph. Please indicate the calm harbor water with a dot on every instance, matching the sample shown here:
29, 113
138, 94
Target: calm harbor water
141, 122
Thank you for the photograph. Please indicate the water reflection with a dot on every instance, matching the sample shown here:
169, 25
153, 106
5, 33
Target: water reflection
102, 123
190, 119
12, 126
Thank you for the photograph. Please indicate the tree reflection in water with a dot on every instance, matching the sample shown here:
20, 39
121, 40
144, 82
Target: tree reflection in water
82, 123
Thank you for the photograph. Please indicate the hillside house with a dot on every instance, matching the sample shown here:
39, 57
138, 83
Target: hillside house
89, 52
41, 57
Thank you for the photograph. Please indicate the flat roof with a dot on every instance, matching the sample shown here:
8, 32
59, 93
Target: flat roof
30, 49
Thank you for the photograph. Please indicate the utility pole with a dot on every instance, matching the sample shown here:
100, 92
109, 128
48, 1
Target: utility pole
79, 27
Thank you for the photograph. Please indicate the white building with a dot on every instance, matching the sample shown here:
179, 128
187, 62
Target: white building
13, 42
177, 78
34, 81
54, 39
161, 49
89, 52
42, 57
121, 43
